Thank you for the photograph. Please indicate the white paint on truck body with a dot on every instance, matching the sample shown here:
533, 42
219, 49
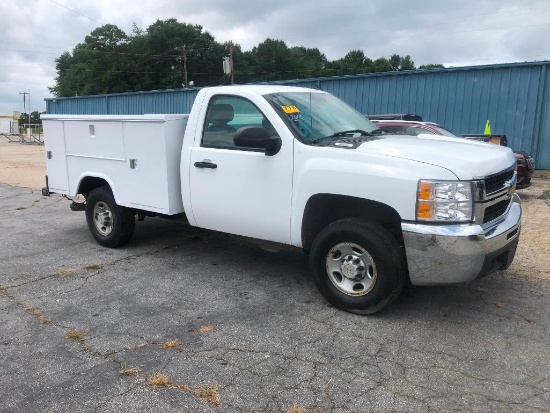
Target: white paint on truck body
138, 156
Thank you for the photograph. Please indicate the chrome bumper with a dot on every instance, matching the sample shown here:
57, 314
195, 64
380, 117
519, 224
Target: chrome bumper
449, 254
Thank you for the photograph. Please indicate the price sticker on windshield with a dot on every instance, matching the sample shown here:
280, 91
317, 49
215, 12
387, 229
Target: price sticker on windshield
290, 109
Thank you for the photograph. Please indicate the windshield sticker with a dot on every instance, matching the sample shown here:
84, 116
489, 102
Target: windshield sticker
290, 109
296, 118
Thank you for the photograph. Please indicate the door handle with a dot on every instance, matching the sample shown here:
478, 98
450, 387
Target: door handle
208, 165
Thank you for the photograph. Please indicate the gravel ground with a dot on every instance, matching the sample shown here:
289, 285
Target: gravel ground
22, 165
534, 248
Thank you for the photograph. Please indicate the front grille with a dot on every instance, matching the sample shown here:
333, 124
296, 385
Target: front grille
530, 163
496, 182
496, 210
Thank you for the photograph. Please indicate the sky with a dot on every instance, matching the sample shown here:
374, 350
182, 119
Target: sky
33, 33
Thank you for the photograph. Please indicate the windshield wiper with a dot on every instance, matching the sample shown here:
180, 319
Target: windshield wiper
381, 131
343, 133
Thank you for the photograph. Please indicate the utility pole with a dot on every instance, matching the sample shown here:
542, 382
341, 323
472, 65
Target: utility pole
231, 60
228, 64
25, 106
184, 53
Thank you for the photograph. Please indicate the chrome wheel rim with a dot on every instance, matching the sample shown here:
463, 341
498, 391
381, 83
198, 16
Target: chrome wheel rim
351, 269
103, 218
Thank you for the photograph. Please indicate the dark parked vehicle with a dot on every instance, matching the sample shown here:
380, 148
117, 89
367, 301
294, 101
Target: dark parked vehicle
395, 116
525, 163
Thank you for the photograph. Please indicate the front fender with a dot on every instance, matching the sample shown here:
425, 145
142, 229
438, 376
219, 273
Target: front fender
384, 179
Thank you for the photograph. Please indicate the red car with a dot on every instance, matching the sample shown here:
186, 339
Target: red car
525, 163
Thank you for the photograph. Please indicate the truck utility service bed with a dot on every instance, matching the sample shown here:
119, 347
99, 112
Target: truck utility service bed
138, 155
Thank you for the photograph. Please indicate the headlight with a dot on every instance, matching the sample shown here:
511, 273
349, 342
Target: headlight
439, 201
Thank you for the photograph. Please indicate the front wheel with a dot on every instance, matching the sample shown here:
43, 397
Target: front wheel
357, 265
111, 225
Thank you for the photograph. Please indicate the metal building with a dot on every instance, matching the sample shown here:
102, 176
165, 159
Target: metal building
514, 97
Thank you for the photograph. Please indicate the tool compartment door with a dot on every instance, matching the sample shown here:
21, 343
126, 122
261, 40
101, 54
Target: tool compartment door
56, 159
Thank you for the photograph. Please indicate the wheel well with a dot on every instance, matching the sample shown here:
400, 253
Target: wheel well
324, 209
89, 183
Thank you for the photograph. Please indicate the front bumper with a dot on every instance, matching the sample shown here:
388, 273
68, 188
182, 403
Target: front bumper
448, 254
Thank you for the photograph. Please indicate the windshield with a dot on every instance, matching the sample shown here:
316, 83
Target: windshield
320, 116
445, 132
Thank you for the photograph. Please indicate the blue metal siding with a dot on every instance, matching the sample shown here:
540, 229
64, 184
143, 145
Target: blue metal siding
162, 101
512, 96
541, 145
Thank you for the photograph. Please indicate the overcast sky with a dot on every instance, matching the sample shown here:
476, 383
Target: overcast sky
452, 32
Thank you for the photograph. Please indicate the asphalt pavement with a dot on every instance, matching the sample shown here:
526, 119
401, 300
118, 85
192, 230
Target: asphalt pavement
183, 319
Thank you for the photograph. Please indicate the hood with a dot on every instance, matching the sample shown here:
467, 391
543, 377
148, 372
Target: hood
466, 159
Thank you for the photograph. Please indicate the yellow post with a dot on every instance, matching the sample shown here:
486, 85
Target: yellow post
487, 128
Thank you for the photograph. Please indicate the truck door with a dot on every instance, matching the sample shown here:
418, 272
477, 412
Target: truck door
238, 190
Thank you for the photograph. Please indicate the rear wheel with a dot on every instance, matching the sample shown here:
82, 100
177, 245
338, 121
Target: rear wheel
111, 225
358, 266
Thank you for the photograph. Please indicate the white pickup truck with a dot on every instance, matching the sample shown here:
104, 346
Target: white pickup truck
299, 167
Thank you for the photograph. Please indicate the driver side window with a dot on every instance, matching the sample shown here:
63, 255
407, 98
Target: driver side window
225, 115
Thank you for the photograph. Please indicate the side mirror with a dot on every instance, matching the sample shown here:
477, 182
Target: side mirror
257, 138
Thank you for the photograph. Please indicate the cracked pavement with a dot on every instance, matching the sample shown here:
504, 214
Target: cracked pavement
250, 326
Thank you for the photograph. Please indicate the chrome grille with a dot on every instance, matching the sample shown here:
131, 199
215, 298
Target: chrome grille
493, 195
496, 210
497, 182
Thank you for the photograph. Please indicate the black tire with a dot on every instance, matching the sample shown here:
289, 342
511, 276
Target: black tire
365, 270
111, 225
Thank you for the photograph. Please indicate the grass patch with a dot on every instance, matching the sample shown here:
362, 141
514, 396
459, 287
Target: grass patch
75, 334
129, 372
66, 271
33, 310
3, 288
44, 320
20, 208
500, 305
209, 393
92, 267
158, 380
141, 345
206, 329
171, 344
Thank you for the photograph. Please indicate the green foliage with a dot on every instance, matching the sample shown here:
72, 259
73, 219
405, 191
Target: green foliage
35, 118
401, 63
111, 61
431, 66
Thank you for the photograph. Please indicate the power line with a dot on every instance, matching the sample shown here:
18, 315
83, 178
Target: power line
75, 11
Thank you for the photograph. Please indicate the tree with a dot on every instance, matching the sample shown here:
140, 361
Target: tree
35, 119
382, 65
94, 65
353, 62
170, 44
107, 37
110, 60
307, 62
432, 66
406, 63
401, 63
272, 61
